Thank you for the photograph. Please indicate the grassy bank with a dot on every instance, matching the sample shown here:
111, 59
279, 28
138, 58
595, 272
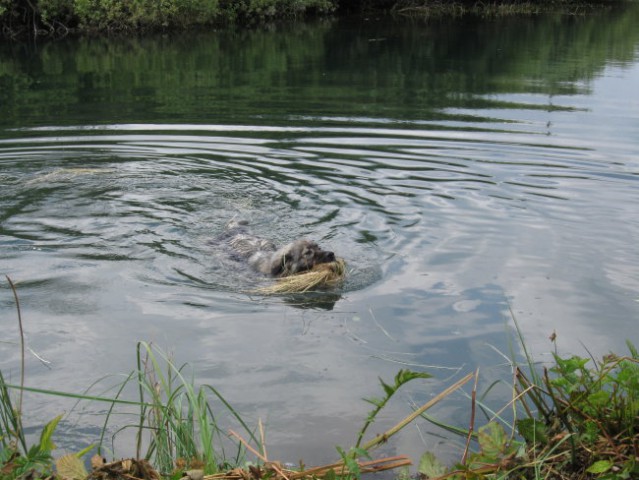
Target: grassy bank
578, 423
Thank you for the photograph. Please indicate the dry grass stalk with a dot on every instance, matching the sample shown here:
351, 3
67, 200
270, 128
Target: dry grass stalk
471, 427
389, 433
323, 275
125, 469
18, 414
278, 472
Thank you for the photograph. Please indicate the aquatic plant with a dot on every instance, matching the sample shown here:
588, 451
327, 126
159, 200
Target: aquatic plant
179, 417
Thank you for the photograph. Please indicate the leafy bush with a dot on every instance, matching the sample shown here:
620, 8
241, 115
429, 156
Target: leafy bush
4, 6
49, 16
262, 9
578, 420
56, 11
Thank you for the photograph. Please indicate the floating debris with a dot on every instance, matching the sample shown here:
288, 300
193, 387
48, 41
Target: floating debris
67, 174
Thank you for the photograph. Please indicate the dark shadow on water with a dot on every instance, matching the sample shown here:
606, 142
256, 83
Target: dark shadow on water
312, 300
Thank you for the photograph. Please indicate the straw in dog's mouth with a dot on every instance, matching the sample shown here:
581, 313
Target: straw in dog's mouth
321, 276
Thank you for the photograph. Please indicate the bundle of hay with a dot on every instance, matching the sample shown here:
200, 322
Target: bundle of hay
321, 276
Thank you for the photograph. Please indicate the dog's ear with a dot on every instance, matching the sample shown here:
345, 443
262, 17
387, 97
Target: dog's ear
282, 264
278, 266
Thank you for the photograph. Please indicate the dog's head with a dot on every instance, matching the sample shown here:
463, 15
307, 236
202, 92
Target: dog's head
299, 256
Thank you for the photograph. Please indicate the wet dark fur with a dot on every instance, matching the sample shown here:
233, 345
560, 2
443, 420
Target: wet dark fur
265, 257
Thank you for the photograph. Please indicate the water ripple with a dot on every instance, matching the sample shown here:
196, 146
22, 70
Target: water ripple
151, 191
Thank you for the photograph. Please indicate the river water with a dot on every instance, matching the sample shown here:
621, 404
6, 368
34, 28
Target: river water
468, 170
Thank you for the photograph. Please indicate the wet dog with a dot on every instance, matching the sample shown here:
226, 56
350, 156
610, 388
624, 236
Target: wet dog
265, 257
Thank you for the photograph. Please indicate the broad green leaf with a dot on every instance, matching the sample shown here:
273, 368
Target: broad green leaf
405, 376
600, 467
360, 452
375, 401
430, 466
599, 398
532, 430
492, 440
46, 442
387, 388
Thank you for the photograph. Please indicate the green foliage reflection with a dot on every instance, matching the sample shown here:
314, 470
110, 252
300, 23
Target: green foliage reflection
389, 69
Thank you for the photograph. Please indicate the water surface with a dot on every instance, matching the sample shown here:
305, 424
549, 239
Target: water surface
467, 170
